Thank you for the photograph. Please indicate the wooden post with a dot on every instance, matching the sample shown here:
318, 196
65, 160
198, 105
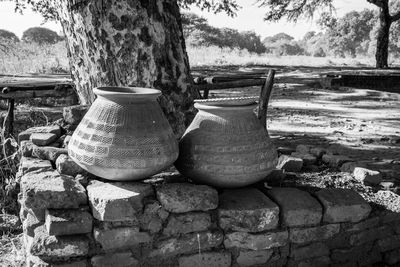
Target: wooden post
205, 93
10, 118
264, 97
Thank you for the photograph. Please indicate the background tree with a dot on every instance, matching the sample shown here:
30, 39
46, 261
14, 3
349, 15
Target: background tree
293, 10
348, 34
40, 35
9, 36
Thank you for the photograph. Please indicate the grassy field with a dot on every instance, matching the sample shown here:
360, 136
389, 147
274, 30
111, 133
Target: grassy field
22, 58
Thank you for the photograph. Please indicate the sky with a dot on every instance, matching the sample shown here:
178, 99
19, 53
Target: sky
249, 18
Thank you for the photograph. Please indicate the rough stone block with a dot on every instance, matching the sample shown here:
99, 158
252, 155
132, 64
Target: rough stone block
256, 241
48, 152
117, 201
285, 150
367, 176
323, 261
350, 166
289, 163
298, 208
308, 159
74, 114
392, 257
370, 235
68, 222
310, 251
26, 135
318, 233
26, 148
189, 243
118, 238
335, 160
34, 261
303, 149
367, 224
247, 210
30, 223
66, 141
153, 217
185, 197
58, 247
389, 243
253, 258
51, 190
318, 151
350, 254
43, 139
120, 259
32, 164
210, 259
187, 223
65, 165
343, 205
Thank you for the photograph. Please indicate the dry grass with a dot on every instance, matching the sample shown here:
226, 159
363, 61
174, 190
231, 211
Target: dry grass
206, 56
22, 58
11, 251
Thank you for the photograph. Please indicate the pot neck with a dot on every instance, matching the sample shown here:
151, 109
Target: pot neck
127, 94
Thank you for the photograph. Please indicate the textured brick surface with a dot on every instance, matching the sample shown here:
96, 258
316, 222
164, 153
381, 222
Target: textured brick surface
50, 190
121, 237
184, 197
310, 251
117, 201
253, 258
187, 223
48, 247
297, 208
318, 233
256, 241
188, 243
115, 259
212, 259
68, 222
247, 210
343, 205
289, 163
65, 165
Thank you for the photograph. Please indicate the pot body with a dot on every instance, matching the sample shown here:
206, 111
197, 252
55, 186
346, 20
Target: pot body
226, 146
124, 135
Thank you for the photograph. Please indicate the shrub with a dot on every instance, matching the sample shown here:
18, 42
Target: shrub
40, 35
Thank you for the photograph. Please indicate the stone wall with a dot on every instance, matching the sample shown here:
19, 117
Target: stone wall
72, 219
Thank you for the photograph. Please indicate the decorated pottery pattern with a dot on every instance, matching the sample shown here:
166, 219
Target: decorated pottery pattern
124, 135
226, 145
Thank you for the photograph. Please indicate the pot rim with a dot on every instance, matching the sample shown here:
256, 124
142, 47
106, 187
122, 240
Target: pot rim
126, 91
233, 103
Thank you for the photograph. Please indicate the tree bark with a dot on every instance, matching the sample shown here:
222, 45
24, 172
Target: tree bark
385, 21
382, 47
130, 43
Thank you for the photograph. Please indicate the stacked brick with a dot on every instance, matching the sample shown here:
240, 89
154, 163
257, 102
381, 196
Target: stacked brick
72, 219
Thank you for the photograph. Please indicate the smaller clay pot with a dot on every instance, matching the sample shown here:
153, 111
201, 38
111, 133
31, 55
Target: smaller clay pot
226, 145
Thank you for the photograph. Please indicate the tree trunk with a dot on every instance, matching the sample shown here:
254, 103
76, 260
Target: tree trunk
130, 43
382, 47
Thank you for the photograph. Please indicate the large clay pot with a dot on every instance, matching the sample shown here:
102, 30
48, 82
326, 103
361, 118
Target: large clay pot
124, 135
226, 145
